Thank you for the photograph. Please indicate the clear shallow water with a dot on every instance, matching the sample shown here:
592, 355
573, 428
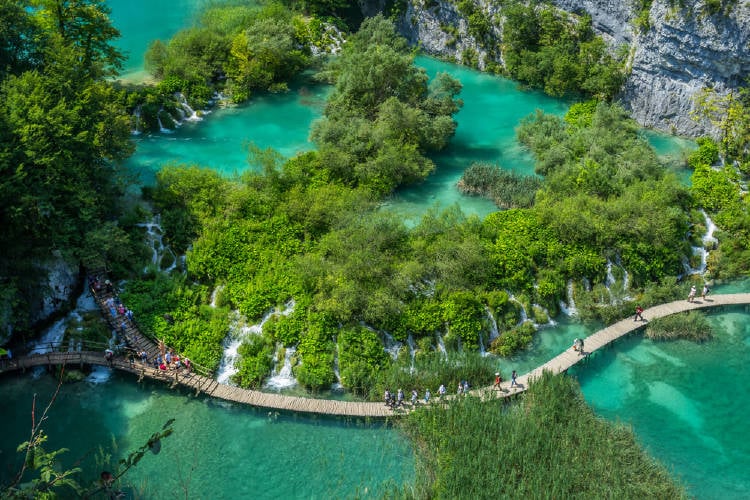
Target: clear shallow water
688, 403
220, 140
218, 450
142, 21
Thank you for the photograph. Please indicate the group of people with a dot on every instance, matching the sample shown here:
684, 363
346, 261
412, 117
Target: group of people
168, 360
704, 292
395, 400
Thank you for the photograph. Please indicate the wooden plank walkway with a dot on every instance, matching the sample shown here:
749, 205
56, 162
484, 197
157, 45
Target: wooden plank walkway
606, 336
211, 387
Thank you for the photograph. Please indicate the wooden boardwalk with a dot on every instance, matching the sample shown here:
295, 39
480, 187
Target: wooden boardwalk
200, 383
606, 336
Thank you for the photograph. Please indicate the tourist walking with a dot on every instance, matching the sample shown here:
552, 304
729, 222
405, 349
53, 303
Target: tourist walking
400, 398
441, 391
638, 313
460, 388
426, 396
705, 292
513, 377
498, 379
691, 295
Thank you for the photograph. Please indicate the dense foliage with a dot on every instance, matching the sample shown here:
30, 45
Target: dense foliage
722, 191
548, 444
382, 117
62, 127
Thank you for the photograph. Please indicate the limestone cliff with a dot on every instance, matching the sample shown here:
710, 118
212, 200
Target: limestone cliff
680, 51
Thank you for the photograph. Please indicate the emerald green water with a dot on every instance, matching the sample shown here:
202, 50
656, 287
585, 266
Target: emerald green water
687, 402
217, 450
668, 392
142, 21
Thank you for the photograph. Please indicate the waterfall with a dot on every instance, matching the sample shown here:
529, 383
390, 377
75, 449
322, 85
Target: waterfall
412, 352
569, 309
188, 113
51, 339
137, 121
238, 332
494, 332
441, 344
283, 379
391, 345
162, 128
524, 315
336, 386
99, 375
481, 344
707, 241
215, 295
155, 240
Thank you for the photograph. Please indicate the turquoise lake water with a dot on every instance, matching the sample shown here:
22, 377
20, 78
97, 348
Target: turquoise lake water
687, 403
217, 450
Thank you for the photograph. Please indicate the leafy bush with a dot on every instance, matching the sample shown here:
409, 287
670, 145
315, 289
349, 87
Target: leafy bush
508, 343
505, 188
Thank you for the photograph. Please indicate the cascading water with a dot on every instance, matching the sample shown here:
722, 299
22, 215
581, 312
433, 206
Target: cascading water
238, 332
188, 113
524, 315
569, 309
494, 332
136, 121
215, 295
482, 350
391, 345
412, 351
155, 240
441, 344
708, 241
162, 128
283, 379
51, 339
336, 386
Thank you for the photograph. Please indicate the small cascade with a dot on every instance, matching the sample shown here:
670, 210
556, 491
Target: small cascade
215, 295
155, 240
708, 241
336, 386
569, 309
441, 344
609, 282
550, 321
51, 339
162, 128
412, 351
524, 314
283, 378
238, 332
187, 113
391, 345
136, 121
482, 350
494, 332
625, 280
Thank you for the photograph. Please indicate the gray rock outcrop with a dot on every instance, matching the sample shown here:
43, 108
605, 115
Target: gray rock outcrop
683, 51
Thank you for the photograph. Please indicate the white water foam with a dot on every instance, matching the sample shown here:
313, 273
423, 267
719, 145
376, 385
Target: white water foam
283, 379
99, 375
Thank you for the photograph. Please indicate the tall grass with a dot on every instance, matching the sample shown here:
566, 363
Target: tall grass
549, 444
691, 325
434, 368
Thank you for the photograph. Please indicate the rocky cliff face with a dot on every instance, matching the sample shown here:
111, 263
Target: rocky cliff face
683, 51
52, 295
